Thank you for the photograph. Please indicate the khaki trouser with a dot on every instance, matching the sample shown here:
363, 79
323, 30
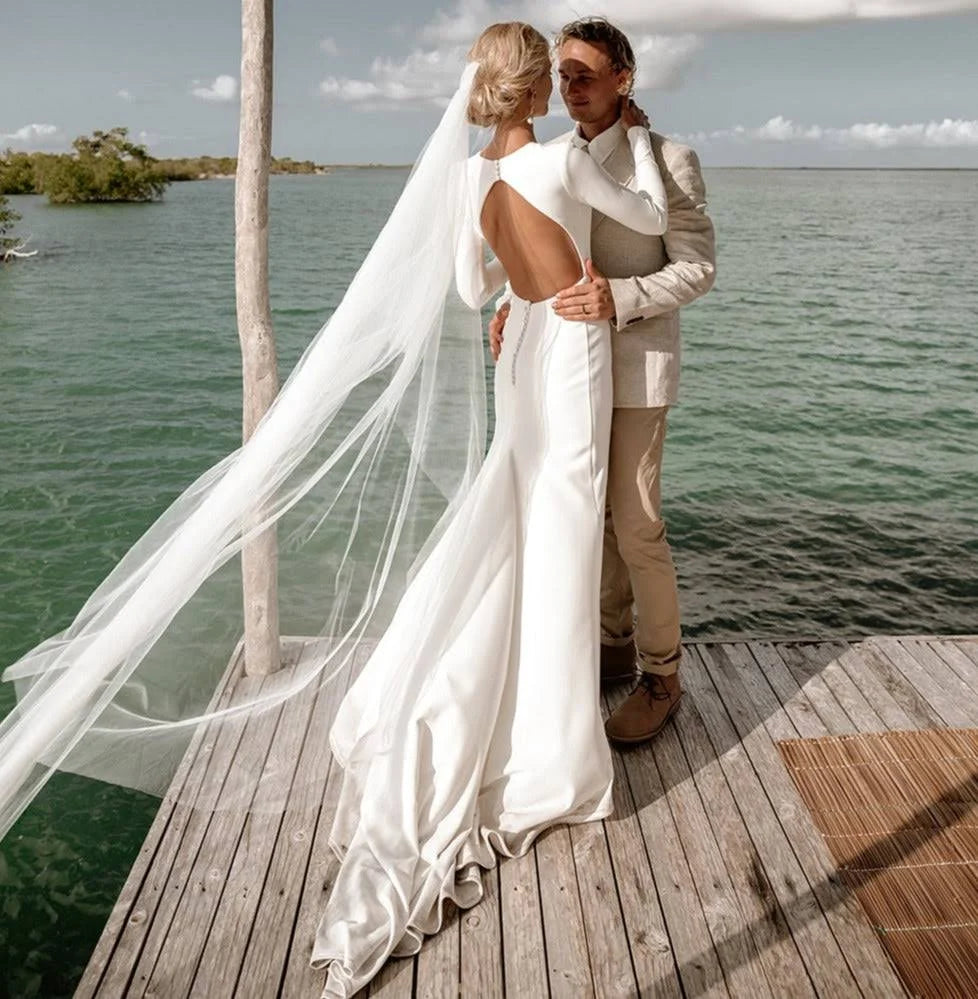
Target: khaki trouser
637, 569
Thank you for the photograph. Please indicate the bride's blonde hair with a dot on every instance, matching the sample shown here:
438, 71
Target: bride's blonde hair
511, 56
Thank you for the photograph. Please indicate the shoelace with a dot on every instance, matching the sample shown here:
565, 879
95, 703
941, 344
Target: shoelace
653, 686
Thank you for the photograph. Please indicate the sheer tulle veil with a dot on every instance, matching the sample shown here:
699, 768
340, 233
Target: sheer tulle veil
374, 441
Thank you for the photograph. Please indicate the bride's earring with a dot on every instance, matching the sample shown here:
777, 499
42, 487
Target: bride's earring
533, 101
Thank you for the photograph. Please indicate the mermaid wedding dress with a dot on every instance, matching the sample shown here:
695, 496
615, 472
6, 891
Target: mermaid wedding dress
475, 723
494, 733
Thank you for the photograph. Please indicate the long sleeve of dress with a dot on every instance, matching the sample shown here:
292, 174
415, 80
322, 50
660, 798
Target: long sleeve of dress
476, 279
690, 247
645, 210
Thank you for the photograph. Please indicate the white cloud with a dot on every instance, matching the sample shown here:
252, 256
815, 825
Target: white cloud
425, 78
951, 133
660, 60
35, 135
125, 95
946, 134
461, 23
780, 129
329, 46
468, 18
223, 89
665, 38
428, 77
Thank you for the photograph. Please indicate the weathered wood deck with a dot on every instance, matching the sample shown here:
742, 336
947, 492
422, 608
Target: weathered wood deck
709, 881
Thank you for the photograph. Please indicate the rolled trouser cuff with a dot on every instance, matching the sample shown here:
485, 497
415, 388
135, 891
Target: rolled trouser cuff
660, 665
617, 641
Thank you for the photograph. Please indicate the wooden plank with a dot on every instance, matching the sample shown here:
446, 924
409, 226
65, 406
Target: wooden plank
932, 688
762, 918
876, 665
693, 948
481, 972
960, 692
395, 980
301, 979
524, 949
645, 926
771, 810
953, 653
186, 780
263, 966
604, 928
807, 679
200, 879
230, 936
823, 659
866, 959
736, 949
563, 922
893, 715
129, 969
438, 959
968, 644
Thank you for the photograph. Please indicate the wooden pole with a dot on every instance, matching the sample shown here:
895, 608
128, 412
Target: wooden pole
259, 559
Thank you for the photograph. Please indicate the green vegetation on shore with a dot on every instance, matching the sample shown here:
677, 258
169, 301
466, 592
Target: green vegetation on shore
107, 167
104, 166
8, 218
208, 167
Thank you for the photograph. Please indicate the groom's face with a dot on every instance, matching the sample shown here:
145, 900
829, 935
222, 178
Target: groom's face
588, 83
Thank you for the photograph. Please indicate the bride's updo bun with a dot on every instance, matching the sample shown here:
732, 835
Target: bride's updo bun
511, 56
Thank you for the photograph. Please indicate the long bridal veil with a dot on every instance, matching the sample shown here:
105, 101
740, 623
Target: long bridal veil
373, 442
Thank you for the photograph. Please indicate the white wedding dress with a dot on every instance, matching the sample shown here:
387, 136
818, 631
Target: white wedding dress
496, 732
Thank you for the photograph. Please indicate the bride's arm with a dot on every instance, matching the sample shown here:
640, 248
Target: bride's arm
645, 210
477, 281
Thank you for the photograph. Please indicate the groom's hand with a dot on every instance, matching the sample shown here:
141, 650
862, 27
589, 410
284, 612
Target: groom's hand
586, 302
496, 325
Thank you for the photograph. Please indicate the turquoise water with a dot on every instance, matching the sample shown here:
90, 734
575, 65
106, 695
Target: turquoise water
821, 474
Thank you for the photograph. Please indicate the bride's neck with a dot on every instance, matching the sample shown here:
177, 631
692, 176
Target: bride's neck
509, 136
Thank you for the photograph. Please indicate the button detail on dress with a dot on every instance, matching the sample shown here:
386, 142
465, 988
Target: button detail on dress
519, 342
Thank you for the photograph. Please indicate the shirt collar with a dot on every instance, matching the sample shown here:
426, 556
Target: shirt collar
603, 144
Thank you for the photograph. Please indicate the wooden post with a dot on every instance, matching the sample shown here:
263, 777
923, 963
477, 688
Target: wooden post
259, 559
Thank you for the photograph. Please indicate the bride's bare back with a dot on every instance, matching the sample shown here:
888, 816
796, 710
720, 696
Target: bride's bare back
536, 252
533, 208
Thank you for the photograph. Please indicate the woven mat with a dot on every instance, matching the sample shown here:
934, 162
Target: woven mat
899, 813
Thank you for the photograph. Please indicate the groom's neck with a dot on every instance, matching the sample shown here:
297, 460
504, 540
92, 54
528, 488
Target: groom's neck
591, 130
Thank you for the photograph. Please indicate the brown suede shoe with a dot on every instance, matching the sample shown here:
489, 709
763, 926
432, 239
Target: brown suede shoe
617, 663
642, 714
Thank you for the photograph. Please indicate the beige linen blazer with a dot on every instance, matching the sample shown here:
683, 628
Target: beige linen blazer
651, 276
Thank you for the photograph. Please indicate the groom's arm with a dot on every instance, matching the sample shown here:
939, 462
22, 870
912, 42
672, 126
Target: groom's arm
689, 244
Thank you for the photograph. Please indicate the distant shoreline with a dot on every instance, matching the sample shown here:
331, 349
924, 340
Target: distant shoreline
902, 169
905, 169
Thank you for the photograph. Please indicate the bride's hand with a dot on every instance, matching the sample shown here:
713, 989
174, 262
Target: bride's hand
632, 114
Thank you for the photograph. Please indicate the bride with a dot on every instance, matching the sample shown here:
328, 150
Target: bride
499, 734
475, 724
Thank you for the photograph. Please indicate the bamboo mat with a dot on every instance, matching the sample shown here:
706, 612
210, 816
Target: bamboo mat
899, 813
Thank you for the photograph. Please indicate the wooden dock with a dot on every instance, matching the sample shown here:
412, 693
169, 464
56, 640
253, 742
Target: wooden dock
709, 881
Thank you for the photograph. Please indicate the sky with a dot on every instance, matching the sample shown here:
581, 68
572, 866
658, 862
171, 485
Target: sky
746, 82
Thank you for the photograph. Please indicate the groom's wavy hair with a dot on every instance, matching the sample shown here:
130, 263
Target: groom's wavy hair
511, 56
600, 31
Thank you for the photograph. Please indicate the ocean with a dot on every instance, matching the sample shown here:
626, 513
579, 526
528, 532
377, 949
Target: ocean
821, 470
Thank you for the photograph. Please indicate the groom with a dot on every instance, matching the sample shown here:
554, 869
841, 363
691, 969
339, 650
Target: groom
638, 282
